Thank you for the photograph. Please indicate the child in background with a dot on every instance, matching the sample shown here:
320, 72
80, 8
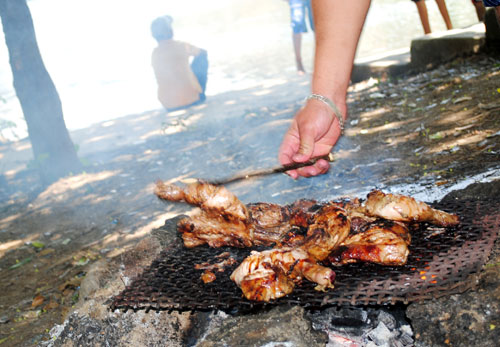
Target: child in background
180, 83
424, 16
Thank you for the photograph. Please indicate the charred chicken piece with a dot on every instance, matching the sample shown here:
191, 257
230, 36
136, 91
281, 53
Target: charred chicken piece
272, 274
221, 221
268, 224
214, 230
219, 266
304, 233
406, 209
276, 224
358, 215
384, 243
328, 230
323, 276
208, 276
224, 221
212, 199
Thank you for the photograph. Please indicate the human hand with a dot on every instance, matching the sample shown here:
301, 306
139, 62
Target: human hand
313, 132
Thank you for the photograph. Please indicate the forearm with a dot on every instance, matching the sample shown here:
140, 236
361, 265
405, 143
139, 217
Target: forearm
313, 132
338, 25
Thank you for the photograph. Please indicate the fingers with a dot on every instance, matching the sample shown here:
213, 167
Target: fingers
319, 168
288, 148
311, 134
293, 174
306, 146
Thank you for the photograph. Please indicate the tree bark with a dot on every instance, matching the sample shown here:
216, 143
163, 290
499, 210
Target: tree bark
54, 153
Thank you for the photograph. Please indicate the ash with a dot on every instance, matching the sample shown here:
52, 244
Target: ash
299, 327
85, 331
356, 326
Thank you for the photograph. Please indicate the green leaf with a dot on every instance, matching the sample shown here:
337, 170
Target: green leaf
38, 244
5, 339
436, 136
20, 263
82, 261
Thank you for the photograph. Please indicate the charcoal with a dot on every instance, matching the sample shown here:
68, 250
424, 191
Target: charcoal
388, 320
380, 335
406, 339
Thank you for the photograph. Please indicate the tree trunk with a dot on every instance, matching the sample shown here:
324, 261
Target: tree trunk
54, 152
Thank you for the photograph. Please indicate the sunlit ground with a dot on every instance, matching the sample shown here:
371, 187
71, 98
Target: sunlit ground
100, 59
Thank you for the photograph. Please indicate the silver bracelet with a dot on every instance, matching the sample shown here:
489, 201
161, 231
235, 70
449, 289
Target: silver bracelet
332, 105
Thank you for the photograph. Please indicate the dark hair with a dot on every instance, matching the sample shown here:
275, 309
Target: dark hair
161, 28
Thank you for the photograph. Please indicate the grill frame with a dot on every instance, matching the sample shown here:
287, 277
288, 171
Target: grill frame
438, 265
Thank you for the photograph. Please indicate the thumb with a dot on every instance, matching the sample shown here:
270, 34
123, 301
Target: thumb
306, 147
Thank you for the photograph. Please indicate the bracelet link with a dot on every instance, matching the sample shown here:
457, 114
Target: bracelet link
332, 105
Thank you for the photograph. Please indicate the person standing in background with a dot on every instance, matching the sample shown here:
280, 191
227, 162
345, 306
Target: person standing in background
299, 9
496, 5
480, 9
424, 15
181, 84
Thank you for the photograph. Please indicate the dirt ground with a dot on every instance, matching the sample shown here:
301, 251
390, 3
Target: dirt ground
417, 134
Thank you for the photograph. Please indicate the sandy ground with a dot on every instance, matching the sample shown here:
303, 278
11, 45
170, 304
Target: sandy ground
422, 135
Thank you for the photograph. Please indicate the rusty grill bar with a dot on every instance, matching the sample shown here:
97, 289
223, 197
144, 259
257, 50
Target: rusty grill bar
438, 265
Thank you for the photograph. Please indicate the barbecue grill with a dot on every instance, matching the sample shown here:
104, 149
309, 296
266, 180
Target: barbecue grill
442, 261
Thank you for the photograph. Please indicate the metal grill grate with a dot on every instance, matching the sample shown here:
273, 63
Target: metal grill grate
439, 264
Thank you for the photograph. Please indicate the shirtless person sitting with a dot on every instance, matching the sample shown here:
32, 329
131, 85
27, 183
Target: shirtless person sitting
180, 84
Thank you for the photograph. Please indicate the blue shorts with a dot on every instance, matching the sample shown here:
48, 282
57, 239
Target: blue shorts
491, 3
298, 9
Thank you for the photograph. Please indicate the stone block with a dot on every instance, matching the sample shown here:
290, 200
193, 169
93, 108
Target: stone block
432, 49
390, 64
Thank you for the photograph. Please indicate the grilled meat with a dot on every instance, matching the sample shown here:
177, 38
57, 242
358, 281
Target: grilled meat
406, 209
323, 276
268, 224
219, 266
214, 230
384, 243
303, 233
216, 200
208, 276
281, 225
329, 228
272, 274
224, 221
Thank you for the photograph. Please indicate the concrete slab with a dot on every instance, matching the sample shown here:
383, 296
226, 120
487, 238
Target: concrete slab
389, 64
432, 49
426, 51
